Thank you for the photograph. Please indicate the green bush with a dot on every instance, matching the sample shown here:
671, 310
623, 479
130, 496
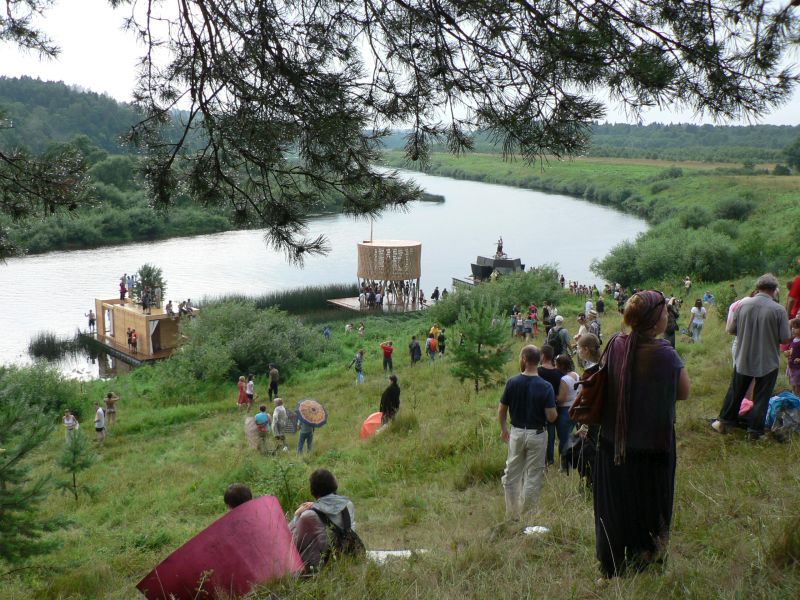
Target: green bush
234, 338
519, 288
734, 208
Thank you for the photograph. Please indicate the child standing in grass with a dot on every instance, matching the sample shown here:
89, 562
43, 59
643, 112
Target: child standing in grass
262, 423
793, 353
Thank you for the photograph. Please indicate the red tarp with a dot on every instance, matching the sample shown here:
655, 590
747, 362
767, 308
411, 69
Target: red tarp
371, 425
250, 544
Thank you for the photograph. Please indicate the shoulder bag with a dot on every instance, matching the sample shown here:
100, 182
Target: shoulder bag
588, 406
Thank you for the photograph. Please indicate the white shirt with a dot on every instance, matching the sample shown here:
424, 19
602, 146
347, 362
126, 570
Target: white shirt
99, 418
698, 314
248, 389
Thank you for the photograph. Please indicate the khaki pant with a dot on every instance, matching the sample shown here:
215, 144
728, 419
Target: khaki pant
522, 480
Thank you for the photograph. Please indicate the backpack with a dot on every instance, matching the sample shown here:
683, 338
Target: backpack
342, 541
594, 327
554, 339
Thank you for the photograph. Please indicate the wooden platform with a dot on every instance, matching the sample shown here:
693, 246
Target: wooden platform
120, 351
352, 304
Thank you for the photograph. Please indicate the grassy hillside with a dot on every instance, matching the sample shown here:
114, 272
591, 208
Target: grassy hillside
431, 481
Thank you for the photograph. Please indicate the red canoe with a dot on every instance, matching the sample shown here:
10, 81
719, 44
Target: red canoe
249, 545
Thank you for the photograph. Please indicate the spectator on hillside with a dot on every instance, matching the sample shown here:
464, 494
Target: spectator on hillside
274, 378
760, 325
263, 426
634, 472
558, 337
70, 424
111, 408
593, 324
431, 346
530, 402
390, 400
441, 339
564, 399
309, 525
414, 350
358, 364
548, 371
673, 314
601, 306
280, 422
99, 422
793, 298
387, 355
697, 320
237, 494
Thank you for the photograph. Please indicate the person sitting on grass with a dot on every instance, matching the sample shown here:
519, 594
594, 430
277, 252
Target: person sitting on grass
309, 526
237, 494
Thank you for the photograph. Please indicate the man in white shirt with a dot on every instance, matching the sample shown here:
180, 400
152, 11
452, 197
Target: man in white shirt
100, 422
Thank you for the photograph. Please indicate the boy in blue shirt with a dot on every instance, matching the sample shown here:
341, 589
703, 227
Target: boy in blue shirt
262, 423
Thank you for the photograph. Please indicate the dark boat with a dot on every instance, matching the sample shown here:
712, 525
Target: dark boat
484, 266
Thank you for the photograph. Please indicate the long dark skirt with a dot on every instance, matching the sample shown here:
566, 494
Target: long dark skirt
632, 508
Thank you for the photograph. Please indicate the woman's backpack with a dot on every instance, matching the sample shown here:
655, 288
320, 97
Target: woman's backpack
342, 541
588, 406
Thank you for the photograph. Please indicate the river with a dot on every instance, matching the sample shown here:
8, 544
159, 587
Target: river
52, 292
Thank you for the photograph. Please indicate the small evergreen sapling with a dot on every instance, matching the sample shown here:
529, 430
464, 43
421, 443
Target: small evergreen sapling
483, 351
76, 457
22, 430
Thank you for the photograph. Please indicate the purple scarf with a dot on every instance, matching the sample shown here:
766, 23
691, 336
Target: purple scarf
654, 302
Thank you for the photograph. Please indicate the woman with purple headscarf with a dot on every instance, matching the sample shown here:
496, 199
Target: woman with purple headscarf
634, 480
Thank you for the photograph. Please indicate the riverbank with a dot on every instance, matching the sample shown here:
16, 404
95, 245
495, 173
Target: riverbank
710, 222
432, 482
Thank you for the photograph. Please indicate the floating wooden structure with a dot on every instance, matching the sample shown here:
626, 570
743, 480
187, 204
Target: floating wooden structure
484, 266
393, 266
156, 332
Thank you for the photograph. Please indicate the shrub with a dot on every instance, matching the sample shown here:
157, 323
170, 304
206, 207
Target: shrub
781, 170
736, 209
659, 187
694, 218
539, 284
234, 338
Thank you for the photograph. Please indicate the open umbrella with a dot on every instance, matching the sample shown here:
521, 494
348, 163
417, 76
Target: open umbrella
247, 546
312, 412
371, 425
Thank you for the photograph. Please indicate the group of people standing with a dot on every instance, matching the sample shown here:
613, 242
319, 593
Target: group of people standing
102, 418
633, 472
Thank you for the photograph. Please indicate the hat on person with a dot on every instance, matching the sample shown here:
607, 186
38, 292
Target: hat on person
592, 313
559, 319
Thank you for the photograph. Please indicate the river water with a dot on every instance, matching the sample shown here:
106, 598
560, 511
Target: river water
53, 291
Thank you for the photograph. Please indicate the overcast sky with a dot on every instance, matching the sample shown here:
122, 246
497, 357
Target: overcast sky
97, 55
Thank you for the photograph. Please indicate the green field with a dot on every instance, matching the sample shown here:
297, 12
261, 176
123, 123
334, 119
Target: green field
430, 482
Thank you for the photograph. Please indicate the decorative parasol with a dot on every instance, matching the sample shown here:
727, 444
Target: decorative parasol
248, 546
371, 425
312, 412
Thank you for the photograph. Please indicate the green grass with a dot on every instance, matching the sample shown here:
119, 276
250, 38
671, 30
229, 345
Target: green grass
429, 482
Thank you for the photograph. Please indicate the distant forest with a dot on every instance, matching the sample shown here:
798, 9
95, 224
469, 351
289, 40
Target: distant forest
43, 112
46, 112
706, 143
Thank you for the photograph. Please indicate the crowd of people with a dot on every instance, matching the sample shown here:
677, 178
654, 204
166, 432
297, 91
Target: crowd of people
374, 295
630, 454
629, 457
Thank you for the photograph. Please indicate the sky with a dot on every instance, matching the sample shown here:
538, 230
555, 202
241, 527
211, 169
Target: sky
96, 54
